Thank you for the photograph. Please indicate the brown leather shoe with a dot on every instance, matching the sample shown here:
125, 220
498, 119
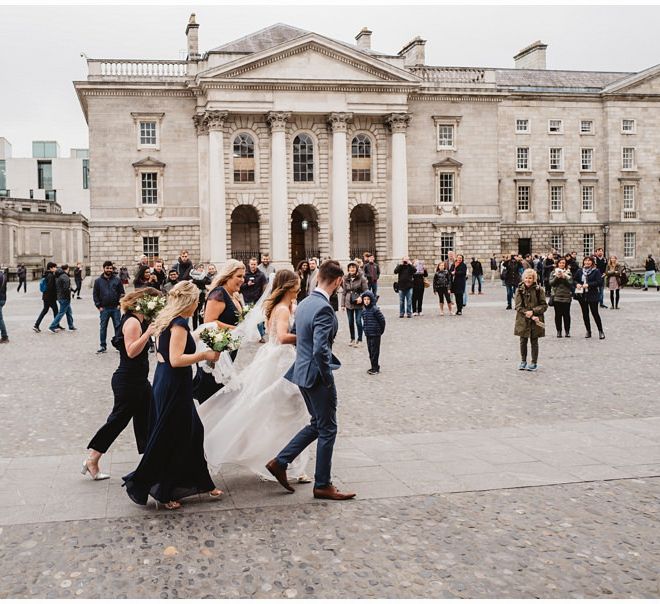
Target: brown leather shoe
280, 474
331, 492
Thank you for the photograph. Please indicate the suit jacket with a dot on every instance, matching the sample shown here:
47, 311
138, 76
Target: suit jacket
315, 327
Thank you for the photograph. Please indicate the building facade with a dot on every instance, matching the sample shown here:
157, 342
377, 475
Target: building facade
289, 142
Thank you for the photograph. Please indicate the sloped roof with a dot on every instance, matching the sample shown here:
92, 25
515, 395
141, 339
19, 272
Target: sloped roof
263, 39
546, 78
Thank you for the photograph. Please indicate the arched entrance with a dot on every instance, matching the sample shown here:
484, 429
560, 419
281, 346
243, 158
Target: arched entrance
363, 231
245, 233
304, 234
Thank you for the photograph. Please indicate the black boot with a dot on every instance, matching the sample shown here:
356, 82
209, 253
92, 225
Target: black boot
568, 335
601, 335
588, 335
559, 334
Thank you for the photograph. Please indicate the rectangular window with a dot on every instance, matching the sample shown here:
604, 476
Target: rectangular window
628, 197
628, 158
588, 244
522, 158
148, 133
361, 174
628, 126
44, 175
522, 126
446, 187
557, 243
629, 240
445, 136
586, 127
556, 158
587, 198
44, 149
3, 174
85, 173
556, 198
587, 160
51, 195
26, 208
149, 187
150, 247
524, 198
446, 245
555, 126
5, 193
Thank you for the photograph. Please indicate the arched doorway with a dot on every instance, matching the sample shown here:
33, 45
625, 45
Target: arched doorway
245, 233
304, 234
363, 231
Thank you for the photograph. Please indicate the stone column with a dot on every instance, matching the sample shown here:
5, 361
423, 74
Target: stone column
339, 223
279, 206
217, 224
203, 187
398, 122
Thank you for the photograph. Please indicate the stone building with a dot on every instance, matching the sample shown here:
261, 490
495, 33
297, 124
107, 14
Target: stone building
294, 143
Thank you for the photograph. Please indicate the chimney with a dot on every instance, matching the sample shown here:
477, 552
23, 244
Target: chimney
192, 33
364, 39
413, 53
531, 57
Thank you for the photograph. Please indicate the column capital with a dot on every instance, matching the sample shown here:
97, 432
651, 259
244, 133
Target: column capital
215, 120
398, 122
339, 121
277, 120
200, 124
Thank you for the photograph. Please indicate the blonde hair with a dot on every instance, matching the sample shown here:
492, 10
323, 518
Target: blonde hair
127, 302
530, 271
227, 272
181, 296
283, 282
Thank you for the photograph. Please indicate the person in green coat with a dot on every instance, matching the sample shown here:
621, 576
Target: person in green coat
530, 305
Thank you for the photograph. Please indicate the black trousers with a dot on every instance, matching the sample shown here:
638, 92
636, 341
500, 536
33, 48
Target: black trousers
78, 288
22, 283
563, 314
417, 295
444, 294
458, 297
591, 305
132, 401
614, 297
373, 346
44, 311
535, 349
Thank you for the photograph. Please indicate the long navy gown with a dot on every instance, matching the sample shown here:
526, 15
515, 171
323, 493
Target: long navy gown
173, 465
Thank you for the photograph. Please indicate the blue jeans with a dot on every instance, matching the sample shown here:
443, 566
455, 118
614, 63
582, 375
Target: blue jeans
405, 301
374, 288
65, 309
475, 279
321, 402
510, 293
3, 327
106, 315
355, 316
262, 329
650, 275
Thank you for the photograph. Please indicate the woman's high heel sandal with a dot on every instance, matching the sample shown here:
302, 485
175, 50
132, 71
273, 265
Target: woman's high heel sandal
216, 494
98, 476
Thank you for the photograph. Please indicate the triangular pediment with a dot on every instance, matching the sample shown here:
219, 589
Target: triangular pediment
310, 57
149, 162
448, 162
644, 82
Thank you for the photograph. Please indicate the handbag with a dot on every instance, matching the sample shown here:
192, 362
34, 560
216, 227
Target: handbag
551, 300
427, 283
354, 298
395, 286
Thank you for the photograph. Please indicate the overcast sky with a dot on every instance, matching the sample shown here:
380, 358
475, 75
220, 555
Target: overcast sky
40, 46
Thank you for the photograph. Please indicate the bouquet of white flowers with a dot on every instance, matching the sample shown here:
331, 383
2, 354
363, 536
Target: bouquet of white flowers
149, 306
242, 314
219, 340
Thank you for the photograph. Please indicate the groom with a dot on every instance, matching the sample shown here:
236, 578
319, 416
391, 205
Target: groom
315, 328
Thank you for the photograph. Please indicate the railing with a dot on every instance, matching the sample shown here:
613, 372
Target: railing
245, 255
118, 68
453, 75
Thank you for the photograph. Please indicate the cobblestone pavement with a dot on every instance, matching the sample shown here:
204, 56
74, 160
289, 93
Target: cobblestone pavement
447, 449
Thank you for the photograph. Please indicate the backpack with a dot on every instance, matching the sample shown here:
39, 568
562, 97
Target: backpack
623, 279
43, 285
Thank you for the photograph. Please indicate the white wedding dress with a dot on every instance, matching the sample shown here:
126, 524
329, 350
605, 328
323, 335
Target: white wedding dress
251, 420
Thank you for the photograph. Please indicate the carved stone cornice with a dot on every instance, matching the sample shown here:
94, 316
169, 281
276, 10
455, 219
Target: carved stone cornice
277, 120
215, 120
339, 121
200, 124
398, 122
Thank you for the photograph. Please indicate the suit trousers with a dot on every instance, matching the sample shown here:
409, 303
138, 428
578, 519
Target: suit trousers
321, 401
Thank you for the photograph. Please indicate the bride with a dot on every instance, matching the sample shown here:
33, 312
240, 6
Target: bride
245, 422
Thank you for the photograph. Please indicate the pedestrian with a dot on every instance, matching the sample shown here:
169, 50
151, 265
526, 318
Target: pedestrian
613, 275
158, 274
183, 266
254, 284
130, 384
419, 283
266, 267
302, 270
650, 267
511, 278
458, 281
78, 279
530, 307
108, 290
123, 275
313, 275
63, 288
477, 274
587, 281
493, 268
373, 323
405, 272
172, 280
21, 273
601, 265
561, 284
548, 267
48, 294
4, 337
143, 278
442, 286
354, 284
372, 273
173, 465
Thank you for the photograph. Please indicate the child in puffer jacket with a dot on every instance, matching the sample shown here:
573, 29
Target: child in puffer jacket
373, 323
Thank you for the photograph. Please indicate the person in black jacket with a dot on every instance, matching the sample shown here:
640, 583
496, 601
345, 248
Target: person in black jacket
63, 290
49, 297
21, 273
419, 279
108, 289
4, 337
442, 286
458, 280
405, 270
477, 274
601, 265
183, 266
511, 277
78, 278
649, 273
587, 281
373, 323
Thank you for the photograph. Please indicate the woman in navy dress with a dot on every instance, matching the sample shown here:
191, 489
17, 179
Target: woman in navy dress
223, 307
173, 465
130, 384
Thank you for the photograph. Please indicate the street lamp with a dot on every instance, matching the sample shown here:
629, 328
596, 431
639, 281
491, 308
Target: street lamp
606, 230
305, 225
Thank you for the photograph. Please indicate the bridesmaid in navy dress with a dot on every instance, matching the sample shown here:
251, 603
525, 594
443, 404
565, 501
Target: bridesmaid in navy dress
173, 465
